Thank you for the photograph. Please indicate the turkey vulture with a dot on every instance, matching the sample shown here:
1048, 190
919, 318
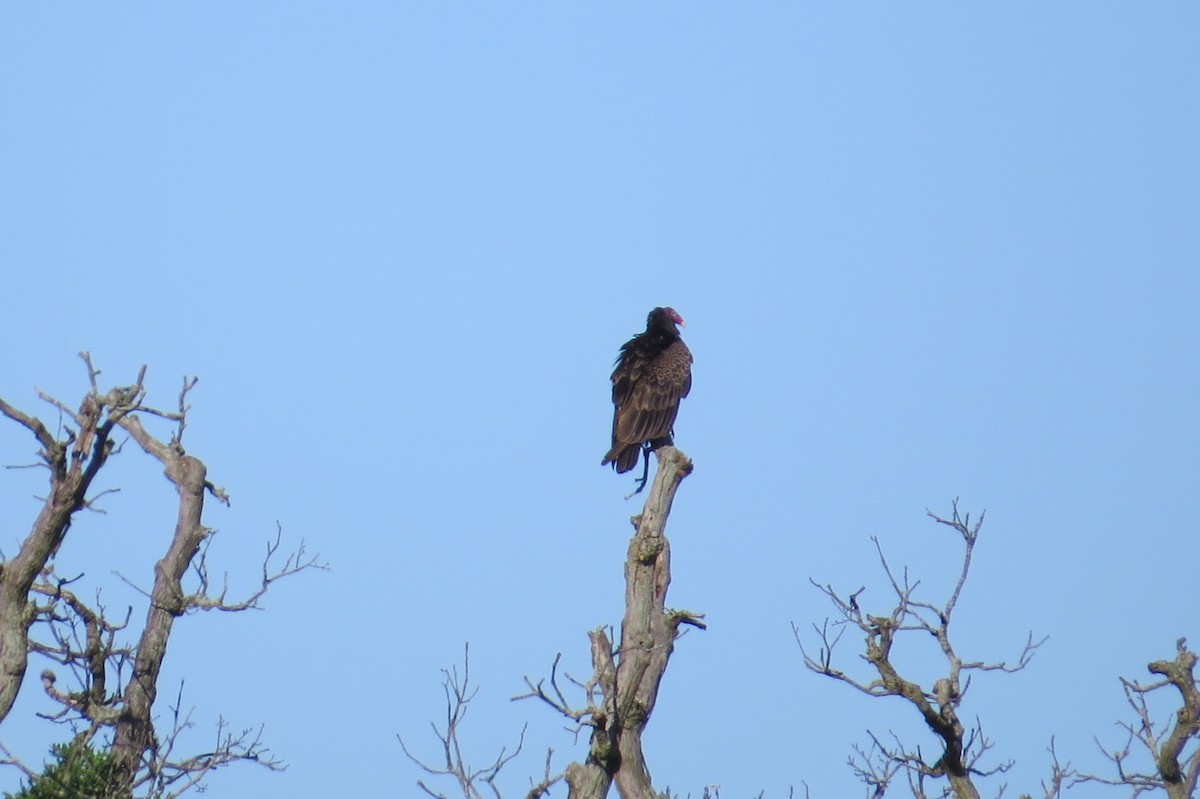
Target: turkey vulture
653, 372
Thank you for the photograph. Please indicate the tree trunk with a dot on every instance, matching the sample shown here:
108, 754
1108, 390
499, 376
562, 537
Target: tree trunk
73, 464
630, 680
134, 734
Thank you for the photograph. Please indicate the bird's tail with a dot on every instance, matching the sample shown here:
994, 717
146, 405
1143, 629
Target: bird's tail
623, 457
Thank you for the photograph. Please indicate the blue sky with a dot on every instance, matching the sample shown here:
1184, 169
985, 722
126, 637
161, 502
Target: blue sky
925, 251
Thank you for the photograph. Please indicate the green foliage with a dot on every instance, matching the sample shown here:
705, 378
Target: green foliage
79, 772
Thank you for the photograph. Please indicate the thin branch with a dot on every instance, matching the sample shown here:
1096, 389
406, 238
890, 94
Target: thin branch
963, 747
1172, 748
459, 695
34, 425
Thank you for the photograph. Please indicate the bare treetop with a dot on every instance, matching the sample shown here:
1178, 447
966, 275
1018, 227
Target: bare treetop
118, 679
1173, 748
615, 703
962, 746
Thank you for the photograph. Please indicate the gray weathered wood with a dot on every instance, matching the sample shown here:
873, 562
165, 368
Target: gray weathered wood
630, 680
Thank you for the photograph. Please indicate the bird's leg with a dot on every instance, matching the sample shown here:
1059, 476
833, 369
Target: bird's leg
647, 448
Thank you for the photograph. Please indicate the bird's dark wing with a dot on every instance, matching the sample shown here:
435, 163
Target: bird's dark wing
650, 392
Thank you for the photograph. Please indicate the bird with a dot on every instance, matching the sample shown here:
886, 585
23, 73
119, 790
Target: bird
653, 372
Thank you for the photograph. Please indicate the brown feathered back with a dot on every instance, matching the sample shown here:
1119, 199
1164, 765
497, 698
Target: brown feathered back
653, 372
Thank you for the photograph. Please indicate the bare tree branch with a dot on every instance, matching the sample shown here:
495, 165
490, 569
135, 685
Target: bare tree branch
1173, 748
559, 701
73, 463
1060, 775
117, 682
452, 762
623, 689
963, 746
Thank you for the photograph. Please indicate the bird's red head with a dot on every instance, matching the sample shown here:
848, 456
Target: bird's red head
672, 315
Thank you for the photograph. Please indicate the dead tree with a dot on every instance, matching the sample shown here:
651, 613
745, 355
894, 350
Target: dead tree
887, 757
620, 695
1173, 748
453, 762
73, 463
623, 688
81, 636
